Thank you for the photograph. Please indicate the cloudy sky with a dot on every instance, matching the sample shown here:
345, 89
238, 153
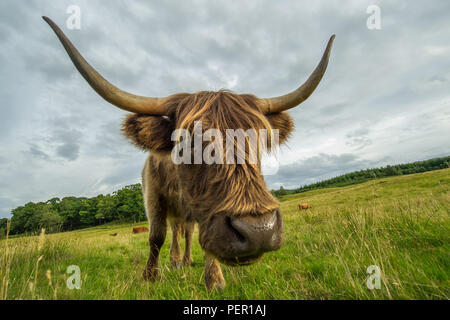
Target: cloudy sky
385, 97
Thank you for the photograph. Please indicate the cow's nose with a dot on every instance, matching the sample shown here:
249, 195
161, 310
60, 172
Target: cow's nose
257, 234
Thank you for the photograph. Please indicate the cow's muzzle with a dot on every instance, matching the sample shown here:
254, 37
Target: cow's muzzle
243, 239
256, 234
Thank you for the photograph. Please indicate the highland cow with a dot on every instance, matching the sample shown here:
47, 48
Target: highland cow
304, 206
238, 218
139, 229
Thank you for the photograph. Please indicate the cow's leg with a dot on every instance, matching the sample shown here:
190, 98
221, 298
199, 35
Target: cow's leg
175, 250
213, 274
188, 232
158, 227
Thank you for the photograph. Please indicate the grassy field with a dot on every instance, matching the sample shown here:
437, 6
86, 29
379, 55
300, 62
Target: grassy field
400, 224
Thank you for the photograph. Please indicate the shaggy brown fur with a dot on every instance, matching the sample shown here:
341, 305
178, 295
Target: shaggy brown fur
206, 194
149, 132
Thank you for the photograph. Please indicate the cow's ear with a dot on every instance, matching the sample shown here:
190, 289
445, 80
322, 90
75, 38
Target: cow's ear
149, 132
283, 122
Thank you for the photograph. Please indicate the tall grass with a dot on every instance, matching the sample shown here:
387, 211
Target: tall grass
400, 224
5, 263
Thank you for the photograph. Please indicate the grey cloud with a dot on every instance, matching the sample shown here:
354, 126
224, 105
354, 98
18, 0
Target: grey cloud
35, 151
69, 143
109, 142
70, 151
438, 79
358, 138
131, 173
5, 206
320, 167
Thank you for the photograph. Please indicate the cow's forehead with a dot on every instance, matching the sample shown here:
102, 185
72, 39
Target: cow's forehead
218, 109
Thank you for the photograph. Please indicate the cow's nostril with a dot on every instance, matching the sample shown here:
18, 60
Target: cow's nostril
238, 232
255, 233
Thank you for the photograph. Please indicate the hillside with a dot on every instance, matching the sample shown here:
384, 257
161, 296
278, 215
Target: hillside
400, 224
361, 176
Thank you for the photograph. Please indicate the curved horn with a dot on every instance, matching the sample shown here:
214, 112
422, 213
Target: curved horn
294, 98
109, 92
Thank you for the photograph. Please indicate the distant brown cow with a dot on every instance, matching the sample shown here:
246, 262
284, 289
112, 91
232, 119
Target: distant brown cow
304, 206
139, 229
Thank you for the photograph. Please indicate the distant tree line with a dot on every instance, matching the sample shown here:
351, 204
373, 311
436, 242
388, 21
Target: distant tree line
126, 204
369, 174
72, 213
3, 226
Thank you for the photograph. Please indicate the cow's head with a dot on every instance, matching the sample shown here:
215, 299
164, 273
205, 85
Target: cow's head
238, 217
